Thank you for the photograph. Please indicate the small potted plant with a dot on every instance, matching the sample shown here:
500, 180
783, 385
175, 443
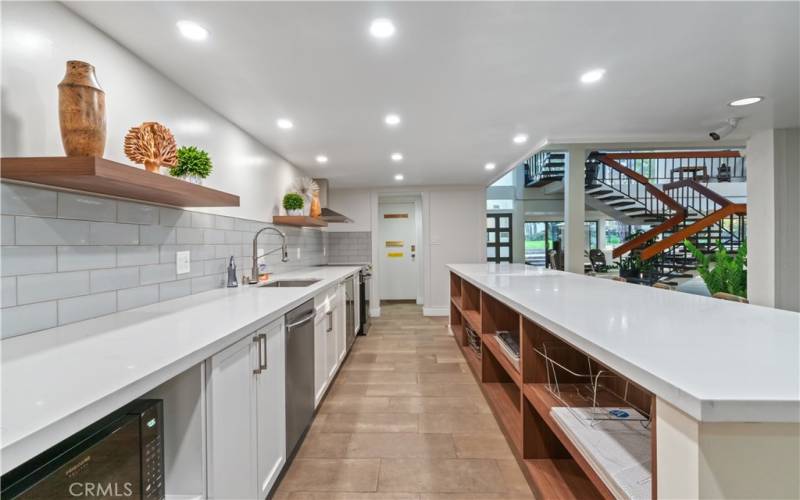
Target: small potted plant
293, 204
193, 165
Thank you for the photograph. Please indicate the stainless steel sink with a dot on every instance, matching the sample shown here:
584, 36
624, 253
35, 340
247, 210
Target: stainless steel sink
290, 283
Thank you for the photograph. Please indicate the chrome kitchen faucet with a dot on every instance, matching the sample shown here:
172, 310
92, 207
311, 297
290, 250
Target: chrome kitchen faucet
284, 252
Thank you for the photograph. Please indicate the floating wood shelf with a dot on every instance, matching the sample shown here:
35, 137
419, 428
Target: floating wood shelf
106, 177
298, 221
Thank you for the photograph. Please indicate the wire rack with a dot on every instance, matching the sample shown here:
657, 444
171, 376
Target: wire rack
587, 390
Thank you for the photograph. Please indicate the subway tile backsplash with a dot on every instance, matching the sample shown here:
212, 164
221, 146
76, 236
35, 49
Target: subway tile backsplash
350, 247
67, 257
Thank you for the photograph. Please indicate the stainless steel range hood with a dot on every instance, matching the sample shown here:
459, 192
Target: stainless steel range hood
328, 215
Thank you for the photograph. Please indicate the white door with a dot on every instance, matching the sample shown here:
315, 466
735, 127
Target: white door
231, 412
271, 395
320, 354
397, 249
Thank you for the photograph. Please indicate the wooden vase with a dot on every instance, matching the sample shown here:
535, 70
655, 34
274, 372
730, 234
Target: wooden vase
82, 111
316, 210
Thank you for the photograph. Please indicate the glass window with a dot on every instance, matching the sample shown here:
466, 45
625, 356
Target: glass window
541, 237
490, 252
506, 180
490, 236
499, 204
505, 237
490, 222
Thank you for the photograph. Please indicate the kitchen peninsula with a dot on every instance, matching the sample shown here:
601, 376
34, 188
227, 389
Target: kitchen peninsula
718, 383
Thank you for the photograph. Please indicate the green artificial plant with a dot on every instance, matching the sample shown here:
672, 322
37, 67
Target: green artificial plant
192, 162
729, 273
293, 201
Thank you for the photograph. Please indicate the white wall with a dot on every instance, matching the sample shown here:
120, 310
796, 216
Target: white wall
38, 39
454, 228
353, 203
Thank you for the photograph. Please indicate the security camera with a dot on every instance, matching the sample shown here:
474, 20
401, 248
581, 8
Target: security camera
724, 130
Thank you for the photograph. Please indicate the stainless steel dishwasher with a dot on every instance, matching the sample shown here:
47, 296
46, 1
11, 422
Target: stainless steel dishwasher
299, 373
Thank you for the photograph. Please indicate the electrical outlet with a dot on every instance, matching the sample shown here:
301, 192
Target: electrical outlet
182, 262
324, 251
298, 253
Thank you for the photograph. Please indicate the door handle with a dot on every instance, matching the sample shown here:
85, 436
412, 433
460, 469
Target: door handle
263, 338
330, 321
257, 340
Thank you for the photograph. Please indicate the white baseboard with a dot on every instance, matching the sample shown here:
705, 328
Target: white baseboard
375, 312
435, 311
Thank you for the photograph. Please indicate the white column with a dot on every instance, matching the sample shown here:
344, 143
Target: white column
601, 233
717, 460
574, 211
773, 218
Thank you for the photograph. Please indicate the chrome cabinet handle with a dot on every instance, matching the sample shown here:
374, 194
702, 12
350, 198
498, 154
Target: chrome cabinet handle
330, 321
263, 338
257, 340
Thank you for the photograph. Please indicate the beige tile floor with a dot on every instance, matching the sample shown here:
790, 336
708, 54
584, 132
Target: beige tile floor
404, 420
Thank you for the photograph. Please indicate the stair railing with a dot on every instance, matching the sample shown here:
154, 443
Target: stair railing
665, 166
729, 212
613, 174
703, 201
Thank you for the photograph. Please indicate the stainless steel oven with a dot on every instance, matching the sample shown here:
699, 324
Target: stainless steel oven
121, 455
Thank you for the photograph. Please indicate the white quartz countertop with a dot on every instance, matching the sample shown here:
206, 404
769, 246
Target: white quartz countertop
718, 361
58, 381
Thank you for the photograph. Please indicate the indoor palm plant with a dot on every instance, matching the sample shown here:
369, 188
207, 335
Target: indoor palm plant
193, 164
728, 274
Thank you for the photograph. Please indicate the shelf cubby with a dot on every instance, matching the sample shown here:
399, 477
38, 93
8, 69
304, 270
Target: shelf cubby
504, 400
455, 287
471, 305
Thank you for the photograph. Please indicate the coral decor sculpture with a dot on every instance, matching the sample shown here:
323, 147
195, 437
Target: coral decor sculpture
151, 144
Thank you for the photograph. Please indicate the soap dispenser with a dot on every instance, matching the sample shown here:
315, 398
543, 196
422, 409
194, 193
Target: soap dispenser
232, 282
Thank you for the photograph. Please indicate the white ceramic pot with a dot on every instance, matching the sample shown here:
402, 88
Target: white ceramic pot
297, 211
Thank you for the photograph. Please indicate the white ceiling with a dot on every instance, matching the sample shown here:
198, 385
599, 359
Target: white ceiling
466, 77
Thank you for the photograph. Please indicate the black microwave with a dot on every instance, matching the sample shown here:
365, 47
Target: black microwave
120, 456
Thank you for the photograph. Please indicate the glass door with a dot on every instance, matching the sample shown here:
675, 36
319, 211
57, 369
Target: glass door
498, 238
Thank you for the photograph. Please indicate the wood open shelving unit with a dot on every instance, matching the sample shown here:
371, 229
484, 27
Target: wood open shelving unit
105, 177
298, 221
521, 400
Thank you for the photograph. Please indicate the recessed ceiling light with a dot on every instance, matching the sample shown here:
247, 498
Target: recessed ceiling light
285, 123
392, 119
520, 139
399, 177
322, 159
192, 30
489, 166
746, 101
397, 157
592, 76
382, 28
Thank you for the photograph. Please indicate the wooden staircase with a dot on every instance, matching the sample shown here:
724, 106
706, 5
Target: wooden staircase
680, 210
